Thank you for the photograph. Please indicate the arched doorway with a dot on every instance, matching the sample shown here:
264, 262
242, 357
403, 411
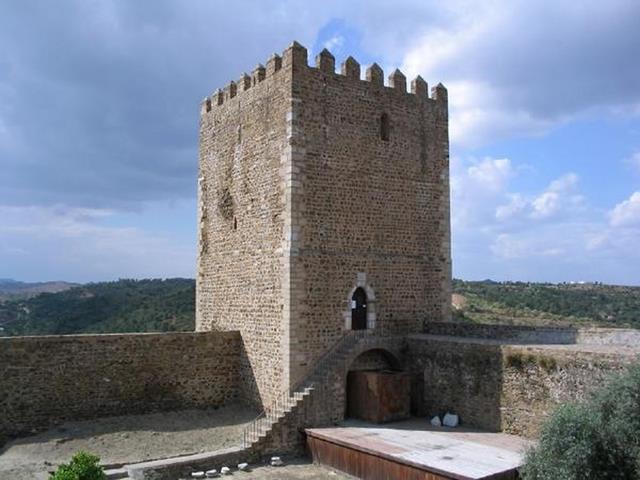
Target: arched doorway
376, 388
359, 309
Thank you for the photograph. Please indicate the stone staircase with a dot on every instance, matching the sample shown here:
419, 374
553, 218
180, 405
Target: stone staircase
291, 410
290, 402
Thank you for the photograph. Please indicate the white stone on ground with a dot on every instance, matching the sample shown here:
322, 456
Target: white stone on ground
243, 466
450, 420
213, 473
276, 462
435, 421
197, 475
225, 471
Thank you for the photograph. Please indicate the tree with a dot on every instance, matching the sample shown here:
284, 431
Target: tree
83, 466
595, 439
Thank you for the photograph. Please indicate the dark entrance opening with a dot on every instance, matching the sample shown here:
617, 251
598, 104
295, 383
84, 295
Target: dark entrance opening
359, 309
376, 390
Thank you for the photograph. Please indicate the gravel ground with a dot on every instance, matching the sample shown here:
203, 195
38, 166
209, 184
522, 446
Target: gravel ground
127, 439
296, 470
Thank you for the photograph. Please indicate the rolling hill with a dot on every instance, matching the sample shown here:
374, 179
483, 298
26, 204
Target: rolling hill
121, 306
169, 305
523, 303
13, 289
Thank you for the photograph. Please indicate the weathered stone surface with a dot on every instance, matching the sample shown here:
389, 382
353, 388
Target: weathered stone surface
46, 380
181, 467
501, 387
312, 184
241, 202
450, 420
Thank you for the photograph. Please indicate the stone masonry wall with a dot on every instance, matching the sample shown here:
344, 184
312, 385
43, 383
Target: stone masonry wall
50, 379
313, 183
505, 333
368, 211
537, 335
372, 360
241, 262
538, 380
504, 387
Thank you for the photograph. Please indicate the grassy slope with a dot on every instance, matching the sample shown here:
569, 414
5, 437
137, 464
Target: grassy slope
522, 303
122, 306
168, 305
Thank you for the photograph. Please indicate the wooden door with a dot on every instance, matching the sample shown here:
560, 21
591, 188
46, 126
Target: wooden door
359, 310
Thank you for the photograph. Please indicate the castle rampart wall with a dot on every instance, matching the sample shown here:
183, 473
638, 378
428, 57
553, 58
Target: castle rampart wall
47, 380
502, 386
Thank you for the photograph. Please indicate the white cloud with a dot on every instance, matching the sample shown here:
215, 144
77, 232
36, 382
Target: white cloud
512, 246
481, 195
626, 213
518, 68
560, 195
517, 203
545, 205
491, 174
82, 244
506, 246
333, 42
564, 183
476, 187
553, 234
512, 68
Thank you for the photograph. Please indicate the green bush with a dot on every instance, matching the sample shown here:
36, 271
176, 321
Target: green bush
83, 466
595, 439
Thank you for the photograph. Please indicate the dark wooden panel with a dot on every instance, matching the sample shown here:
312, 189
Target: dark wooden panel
378, 396
363, 465
367, 466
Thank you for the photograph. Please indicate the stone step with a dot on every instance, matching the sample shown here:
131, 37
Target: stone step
265, 424
116, 473
179, 467
318, 377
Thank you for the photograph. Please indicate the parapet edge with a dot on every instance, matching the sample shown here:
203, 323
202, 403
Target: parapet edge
295, 56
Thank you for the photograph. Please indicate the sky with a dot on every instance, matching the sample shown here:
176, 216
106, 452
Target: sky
99, 108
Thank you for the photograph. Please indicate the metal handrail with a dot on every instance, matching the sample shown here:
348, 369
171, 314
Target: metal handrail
283, 400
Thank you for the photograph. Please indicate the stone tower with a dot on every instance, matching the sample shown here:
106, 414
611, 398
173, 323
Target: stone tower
323, 207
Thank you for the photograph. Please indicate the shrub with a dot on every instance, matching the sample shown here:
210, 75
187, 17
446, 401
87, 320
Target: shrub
519, 360
596, 439
548, 364
83, 466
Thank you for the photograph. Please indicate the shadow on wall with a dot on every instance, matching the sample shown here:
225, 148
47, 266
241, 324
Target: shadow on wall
376, 388
375, 359
512, 382
464, 379
248, 390
51, 379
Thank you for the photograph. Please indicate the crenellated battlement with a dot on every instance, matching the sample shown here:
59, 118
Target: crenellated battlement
295, 57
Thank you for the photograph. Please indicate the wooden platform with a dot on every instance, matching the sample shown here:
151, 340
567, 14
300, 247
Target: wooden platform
414, 450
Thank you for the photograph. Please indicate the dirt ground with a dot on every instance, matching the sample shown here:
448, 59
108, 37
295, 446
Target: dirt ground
127, 439
293, 470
